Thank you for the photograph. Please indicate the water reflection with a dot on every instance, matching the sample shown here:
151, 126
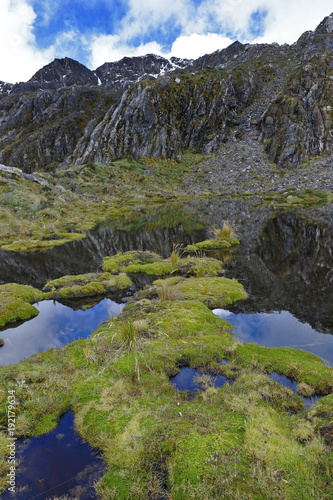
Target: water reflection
185, 380
55, 464
292, 384
289, 267
155, 228
279, 329
55, 326
285, 260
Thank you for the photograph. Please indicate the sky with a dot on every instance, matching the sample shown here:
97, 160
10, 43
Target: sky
35, 32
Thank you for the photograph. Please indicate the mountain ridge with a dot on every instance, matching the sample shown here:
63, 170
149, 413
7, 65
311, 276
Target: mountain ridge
152, 106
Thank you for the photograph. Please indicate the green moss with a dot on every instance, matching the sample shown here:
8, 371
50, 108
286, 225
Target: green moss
214, 244
121, 261
152, 265
295, 364
213, 292
15, 302
321, 416
25, 246
86, 285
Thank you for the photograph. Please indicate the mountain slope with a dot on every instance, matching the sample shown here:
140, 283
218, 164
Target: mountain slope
149, 106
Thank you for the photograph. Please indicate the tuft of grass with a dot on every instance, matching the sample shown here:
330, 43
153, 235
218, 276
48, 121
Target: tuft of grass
129, 334
305, 389
204, 381
174, 257
167, 291
227, 231
177, 251
201, 270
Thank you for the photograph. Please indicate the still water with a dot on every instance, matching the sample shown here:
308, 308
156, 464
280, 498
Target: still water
279, 329
186, 380
292, 384
55, 464
55, 326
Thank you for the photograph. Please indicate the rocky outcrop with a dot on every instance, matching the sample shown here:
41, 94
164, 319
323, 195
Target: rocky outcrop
40, 129
169, 116
299, 122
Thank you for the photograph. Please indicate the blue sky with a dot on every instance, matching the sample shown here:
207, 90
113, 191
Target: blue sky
34, 32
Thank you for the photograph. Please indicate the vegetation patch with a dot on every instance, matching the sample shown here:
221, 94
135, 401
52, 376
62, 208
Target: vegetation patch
295, 364
15, 302
133, 263
121, 261
84, 285
295, 197
26, 246
321, 417
223, 237
215, 244
214, 292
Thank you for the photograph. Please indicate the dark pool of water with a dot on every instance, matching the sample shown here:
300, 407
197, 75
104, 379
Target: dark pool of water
55, 326
292, 384
279, 329
185, 380
56, 464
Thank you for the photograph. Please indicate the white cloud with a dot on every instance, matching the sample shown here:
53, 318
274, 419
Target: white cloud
288, 20
108, 48
145, 15
19, 56
195, 45
200, 29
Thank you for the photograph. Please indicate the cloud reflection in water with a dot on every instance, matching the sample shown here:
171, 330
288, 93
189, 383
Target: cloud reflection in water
55, 326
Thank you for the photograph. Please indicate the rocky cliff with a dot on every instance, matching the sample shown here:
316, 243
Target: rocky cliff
150, 106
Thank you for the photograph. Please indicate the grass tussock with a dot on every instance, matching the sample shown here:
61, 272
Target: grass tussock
176, 254
226, 231
305, 389
168, 291
129, 334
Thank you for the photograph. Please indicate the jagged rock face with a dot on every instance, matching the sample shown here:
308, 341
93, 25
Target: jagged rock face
150, 106
299, 123
5, 88
64, 73
219, 58
131, 70
40, 130
169, 116
326, 26
60, 73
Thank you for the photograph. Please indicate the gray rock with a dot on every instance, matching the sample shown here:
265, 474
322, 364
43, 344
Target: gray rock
11, 170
